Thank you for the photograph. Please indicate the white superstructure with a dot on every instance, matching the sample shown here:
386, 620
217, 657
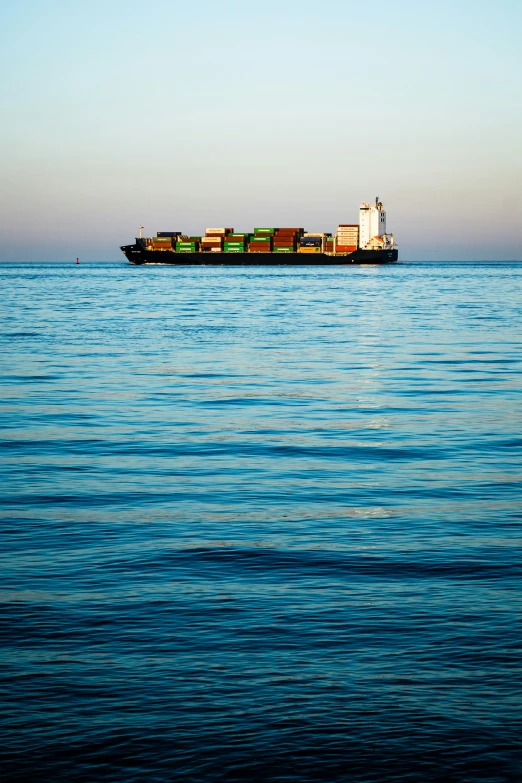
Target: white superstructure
372, 227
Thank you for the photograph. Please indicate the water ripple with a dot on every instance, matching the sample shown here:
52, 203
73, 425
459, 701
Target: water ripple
261, 524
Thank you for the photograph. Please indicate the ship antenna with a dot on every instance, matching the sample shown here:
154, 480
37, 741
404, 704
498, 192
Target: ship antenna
141, 229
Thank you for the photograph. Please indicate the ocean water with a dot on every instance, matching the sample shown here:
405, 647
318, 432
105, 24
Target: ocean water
261, 524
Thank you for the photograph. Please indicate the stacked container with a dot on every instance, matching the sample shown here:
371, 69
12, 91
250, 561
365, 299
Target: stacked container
330, 244
211, 243
311, 243
261, 241
187, 246
234, 243
285, 240
347, 238
162, 242
213, 240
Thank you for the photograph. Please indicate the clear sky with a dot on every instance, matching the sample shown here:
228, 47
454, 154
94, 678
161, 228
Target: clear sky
187, 115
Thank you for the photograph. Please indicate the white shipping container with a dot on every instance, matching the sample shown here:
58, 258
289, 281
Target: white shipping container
314, 235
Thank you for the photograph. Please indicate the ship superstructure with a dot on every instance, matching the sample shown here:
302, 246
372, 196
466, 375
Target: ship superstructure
372, 227
366, 242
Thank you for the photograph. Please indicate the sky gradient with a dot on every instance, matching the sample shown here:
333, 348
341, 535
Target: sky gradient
183, 116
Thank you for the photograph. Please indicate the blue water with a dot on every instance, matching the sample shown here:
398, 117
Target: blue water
261, 524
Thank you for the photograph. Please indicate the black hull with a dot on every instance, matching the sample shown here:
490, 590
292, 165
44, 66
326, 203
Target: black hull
137, 254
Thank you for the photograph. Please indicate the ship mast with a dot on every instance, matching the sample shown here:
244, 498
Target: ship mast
141, 229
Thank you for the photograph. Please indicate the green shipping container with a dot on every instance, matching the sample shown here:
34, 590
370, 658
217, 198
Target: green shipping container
264, 230
284, 250
260, 239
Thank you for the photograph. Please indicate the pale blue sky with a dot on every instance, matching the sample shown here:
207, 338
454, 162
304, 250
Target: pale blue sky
183, 116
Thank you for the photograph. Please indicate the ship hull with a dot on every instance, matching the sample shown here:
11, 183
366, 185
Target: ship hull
138, 255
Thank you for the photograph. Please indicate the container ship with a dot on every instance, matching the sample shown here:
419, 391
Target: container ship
364, 243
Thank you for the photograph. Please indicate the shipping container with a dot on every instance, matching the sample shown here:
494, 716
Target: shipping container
265, 230
309, 249
260, 239
284, 250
